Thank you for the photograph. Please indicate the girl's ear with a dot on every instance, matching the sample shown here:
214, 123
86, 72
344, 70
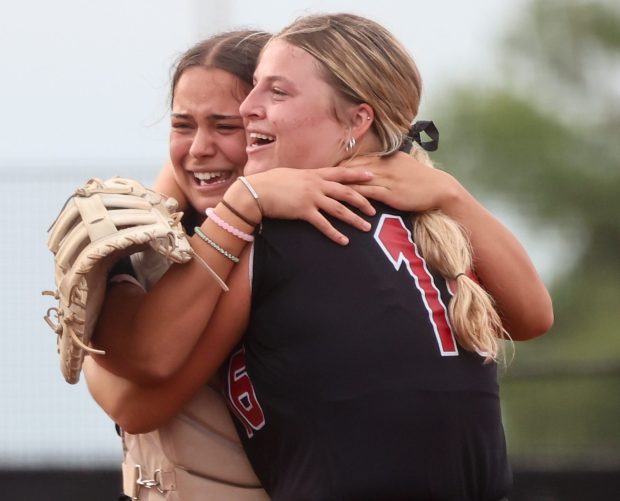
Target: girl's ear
362, 117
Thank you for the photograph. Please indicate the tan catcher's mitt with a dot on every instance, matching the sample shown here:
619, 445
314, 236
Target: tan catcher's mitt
101, 223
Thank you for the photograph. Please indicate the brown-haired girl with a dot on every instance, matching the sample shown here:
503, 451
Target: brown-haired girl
353, 380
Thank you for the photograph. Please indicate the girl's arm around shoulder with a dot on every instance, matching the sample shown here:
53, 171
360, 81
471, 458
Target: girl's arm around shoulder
503, 267
139, 408
501, 263
149, 338
123, 299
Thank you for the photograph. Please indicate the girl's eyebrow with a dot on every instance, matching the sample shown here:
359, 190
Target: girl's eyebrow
218, 116
274, 78
279, 79
212, 116
180, 115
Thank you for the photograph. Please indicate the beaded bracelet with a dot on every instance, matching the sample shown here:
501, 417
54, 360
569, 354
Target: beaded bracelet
215, 245
212, 215
238, 214
252, 191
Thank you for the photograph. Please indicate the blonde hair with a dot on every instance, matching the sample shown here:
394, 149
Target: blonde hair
364, 63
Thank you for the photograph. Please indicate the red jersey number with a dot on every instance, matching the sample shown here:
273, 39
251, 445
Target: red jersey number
395, 239
241, 394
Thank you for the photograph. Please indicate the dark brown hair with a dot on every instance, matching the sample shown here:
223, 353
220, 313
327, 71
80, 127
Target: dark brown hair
234, 51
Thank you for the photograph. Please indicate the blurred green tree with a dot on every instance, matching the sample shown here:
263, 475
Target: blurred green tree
544, 144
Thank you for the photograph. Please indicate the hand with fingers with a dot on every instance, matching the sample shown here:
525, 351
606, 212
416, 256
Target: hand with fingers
404, 182
310, 194
411, 184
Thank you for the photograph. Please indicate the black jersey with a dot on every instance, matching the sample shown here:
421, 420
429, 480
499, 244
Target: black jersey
349, 384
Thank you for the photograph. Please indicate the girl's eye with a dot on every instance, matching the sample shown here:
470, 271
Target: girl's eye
180, 125
277, 91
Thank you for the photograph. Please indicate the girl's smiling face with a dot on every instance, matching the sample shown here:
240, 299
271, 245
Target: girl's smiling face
290, 115
207, 138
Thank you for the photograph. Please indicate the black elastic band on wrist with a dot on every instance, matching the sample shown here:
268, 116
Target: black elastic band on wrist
238, 214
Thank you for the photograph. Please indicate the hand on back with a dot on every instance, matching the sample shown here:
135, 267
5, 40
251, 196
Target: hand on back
405, 183
310, 194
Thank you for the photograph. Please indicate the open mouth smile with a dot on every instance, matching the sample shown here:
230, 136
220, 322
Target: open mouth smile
259, 139
212, 178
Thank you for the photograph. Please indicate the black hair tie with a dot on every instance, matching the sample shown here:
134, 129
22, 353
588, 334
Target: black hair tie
414, 135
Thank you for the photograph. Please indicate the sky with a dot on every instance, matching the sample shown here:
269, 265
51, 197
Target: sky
86, 83
84, 93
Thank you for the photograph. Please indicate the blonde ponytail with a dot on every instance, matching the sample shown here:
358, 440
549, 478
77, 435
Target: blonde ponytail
364, 63
445, 246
